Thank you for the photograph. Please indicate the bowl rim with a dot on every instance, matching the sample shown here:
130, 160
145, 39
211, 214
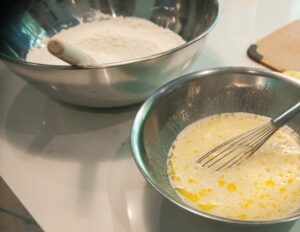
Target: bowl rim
110, 65
138, 126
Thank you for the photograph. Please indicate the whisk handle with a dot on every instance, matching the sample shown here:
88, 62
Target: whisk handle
287, 115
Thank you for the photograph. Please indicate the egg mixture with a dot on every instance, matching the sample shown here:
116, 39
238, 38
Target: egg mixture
264, 186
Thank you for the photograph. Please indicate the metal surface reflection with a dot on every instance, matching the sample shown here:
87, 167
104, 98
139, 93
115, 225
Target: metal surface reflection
13, 215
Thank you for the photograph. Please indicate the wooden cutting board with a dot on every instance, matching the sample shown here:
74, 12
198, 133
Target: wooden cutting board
280, 50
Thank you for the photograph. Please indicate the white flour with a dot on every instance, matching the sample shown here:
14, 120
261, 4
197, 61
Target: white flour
113, 40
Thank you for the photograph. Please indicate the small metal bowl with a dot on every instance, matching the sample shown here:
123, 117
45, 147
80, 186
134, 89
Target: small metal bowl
24, 23
198, 95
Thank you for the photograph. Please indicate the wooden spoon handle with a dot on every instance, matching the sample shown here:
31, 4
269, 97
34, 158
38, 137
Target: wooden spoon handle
70, 54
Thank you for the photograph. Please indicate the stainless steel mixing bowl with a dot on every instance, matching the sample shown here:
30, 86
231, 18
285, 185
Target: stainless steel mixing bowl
25, 22
198, 95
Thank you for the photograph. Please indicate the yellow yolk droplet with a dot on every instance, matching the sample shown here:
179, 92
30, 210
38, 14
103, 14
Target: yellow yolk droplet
231, 187
191, 196
190, 180
206, 207
246, 203
242, 216
221, 182
270, 183
282, 189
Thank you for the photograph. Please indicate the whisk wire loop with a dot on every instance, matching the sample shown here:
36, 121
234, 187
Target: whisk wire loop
230, 143
239, 148
242, 155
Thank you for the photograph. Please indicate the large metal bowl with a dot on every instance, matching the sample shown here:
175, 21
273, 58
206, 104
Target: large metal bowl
198, 95
24, 23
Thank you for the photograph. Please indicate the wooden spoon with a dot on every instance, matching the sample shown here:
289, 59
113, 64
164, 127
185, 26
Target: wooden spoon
70, 54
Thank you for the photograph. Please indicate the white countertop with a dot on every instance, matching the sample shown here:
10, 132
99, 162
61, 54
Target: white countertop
72, 167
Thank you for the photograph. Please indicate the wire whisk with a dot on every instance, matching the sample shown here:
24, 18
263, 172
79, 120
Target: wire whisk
234, 151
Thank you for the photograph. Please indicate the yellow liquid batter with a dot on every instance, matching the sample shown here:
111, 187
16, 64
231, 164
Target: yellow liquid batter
265, 186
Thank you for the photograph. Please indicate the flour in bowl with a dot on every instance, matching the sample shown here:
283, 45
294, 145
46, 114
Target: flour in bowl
112, 40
